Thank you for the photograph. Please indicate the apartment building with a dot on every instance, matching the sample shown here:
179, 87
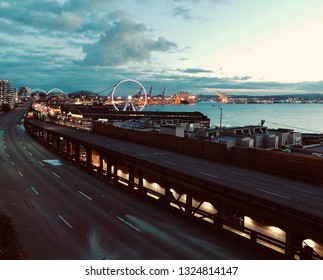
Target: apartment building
7, 94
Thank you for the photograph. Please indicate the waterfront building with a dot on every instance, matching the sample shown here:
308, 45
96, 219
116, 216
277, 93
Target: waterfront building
249, 137
175, 130
287, 137
260, 137
256, 137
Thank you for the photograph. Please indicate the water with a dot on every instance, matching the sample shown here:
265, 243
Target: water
300, 117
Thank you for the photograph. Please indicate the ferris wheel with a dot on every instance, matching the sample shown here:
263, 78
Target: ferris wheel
132, 96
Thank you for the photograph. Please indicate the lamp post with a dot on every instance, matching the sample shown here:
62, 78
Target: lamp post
44, 133
220, 117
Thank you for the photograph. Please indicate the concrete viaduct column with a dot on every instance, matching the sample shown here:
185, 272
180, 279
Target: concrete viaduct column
115, 169
293, 241
101, 163
88, 157
131, 179
218, 218
77, 152
188, 206
67, 148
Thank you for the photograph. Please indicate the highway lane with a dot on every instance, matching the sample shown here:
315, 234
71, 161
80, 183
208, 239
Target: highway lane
297, 194
61, 212
289, 192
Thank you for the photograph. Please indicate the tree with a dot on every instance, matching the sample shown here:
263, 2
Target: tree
5, 107
10, 248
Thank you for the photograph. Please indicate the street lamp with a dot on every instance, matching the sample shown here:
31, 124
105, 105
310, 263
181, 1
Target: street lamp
220, 116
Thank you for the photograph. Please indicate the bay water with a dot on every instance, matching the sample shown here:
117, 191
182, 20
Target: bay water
301, 117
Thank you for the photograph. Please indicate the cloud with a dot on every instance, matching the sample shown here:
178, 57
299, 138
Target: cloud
41, 15
195, 71
243, 78
189, 13
124, 42
89, 5
68, 21
183, 12
64, 22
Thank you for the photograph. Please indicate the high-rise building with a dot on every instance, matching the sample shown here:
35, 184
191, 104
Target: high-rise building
23, 91
7, 94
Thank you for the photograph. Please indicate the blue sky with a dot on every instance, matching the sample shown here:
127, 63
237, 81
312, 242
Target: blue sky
236, 46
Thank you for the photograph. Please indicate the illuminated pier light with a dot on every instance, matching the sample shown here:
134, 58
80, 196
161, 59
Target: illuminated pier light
104, 164
123, 175
179, 197
271, 231
95, 158
206, 207
317, 247
154, 187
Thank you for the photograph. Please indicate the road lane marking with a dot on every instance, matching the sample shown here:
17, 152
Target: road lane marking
89, 198
137, 148
275, 194
207, 174
170, 163
189, 161
20, 174
30, 153
127, 223
56, 175
34, 190
124, 221
236, 173
8, 155
296, 189
66, 222
12, 162
41, 163
152, 154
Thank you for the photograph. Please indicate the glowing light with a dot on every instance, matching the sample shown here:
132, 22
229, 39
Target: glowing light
153, 186
248, 222
309, 242
272, 231
276, 230
122, 174
208, 207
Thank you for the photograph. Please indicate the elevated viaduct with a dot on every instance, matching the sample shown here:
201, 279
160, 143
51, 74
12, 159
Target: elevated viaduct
284, 214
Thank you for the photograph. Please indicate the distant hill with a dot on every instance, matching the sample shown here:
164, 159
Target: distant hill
305, 96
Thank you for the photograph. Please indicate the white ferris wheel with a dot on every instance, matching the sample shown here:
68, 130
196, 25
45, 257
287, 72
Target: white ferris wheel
129, 95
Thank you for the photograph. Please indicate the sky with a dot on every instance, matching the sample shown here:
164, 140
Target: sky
253, 47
